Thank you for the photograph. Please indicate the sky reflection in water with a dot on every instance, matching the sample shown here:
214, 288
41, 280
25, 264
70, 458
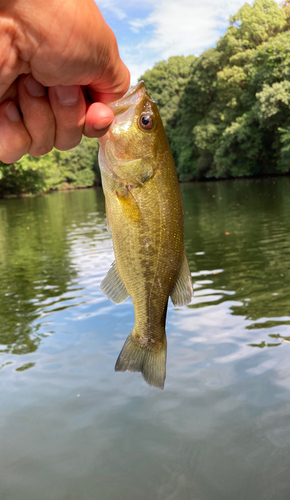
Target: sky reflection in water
72, 428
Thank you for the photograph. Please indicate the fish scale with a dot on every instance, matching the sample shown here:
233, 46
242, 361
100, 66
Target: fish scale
145, 216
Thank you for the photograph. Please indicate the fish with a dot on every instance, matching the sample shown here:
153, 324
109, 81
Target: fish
145, 216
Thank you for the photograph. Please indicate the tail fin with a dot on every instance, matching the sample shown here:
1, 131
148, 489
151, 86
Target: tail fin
148, 359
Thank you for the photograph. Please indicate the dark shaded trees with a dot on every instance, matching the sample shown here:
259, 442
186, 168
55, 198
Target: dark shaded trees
56, 170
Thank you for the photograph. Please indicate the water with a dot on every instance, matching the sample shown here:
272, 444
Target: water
73, 429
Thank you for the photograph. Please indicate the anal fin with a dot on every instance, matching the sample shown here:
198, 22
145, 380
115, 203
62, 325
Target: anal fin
113, 287
182, 292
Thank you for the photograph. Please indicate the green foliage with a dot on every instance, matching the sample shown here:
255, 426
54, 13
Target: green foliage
284, 160
252, 26
234, 109
226, 113
272, 100
165, 83
55, 170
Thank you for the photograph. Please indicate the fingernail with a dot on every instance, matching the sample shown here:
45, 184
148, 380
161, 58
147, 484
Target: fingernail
102, 126
67, 95
33, 87
12, 112
103, 123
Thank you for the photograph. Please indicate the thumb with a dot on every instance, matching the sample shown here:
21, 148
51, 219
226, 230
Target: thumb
113, 82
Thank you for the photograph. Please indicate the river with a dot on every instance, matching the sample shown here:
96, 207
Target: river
73, 429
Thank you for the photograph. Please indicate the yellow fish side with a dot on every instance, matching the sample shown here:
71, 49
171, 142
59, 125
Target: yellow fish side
145, 216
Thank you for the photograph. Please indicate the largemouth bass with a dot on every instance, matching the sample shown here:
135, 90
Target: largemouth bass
145, 216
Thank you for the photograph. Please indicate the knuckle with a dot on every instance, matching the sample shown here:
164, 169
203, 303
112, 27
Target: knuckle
15, 140
40, 150
9, 157
13, 148
65, 146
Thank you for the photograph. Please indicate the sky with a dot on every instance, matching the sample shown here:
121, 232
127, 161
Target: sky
149, 31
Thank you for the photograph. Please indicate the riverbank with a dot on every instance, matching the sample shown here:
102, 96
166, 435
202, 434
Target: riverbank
97, 184
55, 171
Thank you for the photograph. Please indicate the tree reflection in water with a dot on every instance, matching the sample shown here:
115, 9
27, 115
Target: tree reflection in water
36, 270
237, 236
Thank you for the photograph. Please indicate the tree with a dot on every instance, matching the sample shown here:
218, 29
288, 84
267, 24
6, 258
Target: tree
218, 129
56, 170
165, 83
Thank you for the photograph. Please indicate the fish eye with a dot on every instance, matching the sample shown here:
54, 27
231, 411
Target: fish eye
146, 121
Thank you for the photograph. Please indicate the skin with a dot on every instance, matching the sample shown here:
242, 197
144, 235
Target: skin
59, 67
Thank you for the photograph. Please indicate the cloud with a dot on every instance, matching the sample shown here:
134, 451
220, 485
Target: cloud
168, 28
181, 27
138, 61
188, 27
113, 8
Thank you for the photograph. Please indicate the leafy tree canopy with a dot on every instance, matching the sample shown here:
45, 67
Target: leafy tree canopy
226, 112
55, 170
232, 117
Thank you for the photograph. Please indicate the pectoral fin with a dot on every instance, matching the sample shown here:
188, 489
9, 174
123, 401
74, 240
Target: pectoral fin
182, 291
113, 287
129, 206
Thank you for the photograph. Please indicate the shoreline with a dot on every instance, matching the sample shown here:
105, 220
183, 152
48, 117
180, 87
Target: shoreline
33, 195
97, 186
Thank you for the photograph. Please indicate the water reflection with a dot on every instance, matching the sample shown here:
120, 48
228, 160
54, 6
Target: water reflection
243, 229
54, 250
70, 426
38, 273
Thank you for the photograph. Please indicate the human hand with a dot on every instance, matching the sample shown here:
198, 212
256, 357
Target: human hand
59, 66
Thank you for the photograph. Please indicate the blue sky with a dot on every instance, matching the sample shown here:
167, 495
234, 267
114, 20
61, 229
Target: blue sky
149, 31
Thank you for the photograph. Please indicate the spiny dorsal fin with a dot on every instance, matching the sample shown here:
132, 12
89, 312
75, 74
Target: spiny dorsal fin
113, 287
182, 291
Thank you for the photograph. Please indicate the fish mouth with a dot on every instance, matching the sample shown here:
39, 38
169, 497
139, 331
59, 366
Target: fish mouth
127, 104
123, 109
110, 156
131, 98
